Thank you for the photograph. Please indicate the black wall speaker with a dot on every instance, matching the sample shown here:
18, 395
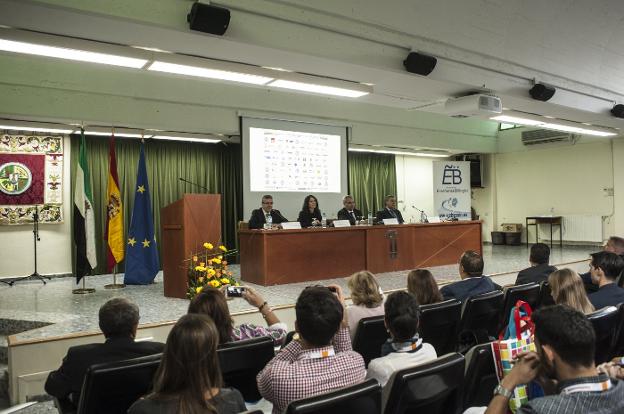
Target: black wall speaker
618, 111
419, 63
542, 92
208, 19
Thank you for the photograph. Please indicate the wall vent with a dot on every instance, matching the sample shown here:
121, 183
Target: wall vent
547, 136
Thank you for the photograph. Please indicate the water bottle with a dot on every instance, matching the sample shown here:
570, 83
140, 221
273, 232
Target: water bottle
370, 218
323, 220
269, 222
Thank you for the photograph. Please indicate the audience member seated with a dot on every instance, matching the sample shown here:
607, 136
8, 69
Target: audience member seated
212, 302
367, 299
349, 212
566, 288
423, 286
404, 349
389, 211
310, 214
605, 268
565, 343
614, 245
189, 379
259, 216
614, 368
473, 282
540, 269
119, 319
320, 360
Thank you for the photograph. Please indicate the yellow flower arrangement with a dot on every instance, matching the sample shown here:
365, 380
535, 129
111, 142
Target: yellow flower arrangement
209, 269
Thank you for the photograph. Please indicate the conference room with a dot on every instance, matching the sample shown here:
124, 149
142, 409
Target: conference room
460, 153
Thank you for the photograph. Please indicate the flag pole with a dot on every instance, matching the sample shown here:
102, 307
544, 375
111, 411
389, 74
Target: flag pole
115, 285
83, 290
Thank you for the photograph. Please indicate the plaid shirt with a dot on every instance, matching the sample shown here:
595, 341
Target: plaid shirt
602, 402
291, 375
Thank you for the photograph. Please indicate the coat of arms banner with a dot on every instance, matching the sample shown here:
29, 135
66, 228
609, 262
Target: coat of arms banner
31, 177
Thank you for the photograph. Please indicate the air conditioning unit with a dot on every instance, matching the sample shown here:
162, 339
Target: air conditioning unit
473, 105
547, 136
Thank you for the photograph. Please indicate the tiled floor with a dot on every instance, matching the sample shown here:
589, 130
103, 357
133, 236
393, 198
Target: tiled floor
69, 313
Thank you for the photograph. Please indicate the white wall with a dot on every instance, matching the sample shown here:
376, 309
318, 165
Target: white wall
54, 249
414, 186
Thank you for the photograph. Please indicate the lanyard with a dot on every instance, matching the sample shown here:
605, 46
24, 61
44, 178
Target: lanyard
587, 387
410, 346
319, 353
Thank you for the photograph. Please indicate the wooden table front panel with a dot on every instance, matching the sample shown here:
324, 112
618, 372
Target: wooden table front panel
441, 244
379, 243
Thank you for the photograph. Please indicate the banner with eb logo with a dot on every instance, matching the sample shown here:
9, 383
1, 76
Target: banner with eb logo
451, 189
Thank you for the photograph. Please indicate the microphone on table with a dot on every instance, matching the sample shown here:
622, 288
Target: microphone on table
192, 183
423, 215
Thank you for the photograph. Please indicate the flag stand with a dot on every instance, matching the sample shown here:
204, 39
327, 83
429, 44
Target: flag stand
115, 285
83, 290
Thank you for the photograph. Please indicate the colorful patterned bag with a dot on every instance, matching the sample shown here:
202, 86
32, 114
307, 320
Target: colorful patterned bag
517, 338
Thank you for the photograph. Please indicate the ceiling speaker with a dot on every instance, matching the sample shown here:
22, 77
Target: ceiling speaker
618, 111
208, 19
542, 92
420, 64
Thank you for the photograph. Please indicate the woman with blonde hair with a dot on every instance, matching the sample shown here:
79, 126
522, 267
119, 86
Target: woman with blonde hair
367, 298
567, 288
422, 285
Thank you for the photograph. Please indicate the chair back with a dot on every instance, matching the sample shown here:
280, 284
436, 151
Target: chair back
439, 324
432, 388
370, 335
112, 387
362, 398
529, 293
480, 378
618, 340
241, 361
481, 315
546, 298
605, 322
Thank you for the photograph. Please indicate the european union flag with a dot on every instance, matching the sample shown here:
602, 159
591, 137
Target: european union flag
142, 263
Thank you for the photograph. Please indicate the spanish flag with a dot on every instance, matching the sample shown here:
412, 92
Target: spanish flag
114, 211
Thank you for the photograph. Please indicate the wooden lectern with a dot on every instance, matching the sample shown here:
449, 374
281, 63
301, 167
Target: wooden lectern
186, 224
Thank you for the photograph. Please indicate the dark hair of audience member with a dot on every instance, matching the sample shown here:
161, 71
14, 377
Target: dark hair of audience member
211, 302
568, 332
540, 253
423, 286
472, 263
610, 263
319, 313
189, 369
118, 317
365, 290
618, 244
401, 314
306, 206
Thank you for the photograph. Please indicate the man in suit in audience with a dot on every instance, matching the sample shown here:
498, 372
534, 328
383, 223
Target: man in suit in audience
564, 364
614, 245
259, 216
540, 269
390, 210
321, 359
349, 212
119, 319
604, 269
473, 282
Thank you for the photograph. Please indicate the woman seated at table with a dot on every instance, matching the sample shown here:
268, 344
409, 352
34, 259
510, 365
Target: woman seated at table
310, 215
212, 302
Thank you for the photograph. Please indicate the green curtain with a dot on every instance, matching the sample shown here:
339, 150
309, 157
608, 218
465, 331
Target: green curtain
216, 167
371, 177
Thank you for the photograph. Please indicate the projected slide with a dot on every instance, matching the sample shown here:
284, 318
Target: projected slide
282, 160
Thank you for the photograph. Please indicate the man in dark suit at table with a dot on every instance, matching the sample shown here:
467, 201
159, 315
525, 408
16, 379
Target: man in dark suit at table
540, 269
473, 282
349, 212
119, 319
614, 245
259, 216
390, 211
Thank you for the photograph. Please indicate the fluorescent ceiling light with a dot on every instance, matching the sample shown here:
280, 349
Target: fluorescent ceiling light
188, 139
197, 71
516, 120
415, 154
117, 134
565, 126
322, 89
37, 129
70, 54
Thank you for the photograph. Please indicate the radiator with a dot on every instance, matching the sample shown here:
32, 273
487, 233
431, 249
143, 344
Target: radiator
583, 228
